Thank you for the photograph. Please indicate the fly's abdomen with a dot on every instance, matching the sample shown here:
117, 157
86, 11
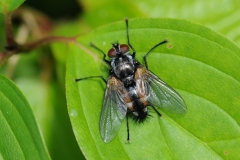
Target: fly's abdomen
138, 102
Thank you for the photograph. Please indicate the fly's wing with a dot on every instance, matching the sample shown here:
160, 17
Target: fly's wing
114, 110
161, 94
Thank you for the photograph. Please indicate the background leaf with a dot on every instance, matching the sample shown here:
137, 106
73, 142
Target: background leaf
10, 5
220, 15
48, 104
200, 64
19, 136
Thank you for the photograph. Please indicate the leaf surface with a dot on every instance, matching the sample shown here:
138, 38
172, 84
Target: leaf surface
9, 5
200, 64
19, 136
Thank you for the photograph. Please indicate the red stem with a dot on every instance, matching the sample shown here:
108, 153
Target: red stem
12, 47
44, 41
11, 44
30, 46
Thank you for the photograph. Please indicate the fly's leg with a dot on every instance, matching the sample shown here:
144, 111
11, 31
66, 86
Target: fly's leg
104, 55
145, 56
159, 114
128, 135
134, 52
90, 77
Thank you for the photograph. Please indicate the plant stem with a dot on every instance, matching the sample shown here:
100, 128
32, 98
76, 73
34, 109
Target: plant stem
11, 44
31, 46
4, 56
13, 47
46, 40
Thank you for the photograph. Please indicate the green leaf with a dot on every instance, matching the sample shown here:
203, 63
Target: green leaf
9, 5
19, 136
48, 105
200, 64
49, 101
220, 15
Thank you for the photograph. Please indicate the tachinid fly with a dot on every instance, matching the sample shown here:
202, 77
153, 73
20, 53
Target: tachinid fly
131, 87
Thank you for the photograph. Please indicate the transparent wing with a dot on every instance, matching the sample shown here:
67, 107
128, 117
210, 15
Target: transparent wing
161, 94
113, 110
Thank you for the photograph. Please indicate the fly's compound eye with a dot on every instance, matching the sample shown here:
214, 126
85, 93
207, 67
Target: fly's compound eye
124, 48
111, 53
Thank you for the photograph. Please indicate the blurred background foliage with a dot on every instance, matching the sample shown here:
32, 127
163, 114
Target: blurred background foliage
40, 73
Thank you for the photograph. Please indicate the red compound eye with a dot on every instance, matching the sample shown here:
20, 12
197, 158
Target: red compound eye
124, 48
111, 53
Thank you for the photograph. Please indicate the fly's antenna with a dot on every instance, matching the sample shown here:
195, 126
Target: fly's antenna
128, 40
116, 42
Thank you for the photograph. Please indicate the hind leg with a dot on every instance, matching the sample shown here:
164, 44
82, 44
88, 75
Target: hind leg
159, 114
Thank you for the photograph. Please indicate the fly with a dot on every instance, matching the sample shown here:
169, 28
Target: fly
131, 88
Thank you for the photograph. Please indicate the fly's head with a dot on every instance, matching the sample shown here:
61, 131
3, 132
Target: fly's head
118, 50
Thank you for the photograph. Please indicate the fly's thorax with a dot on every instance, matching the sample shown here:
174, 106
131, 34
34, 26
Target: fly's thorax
124, 68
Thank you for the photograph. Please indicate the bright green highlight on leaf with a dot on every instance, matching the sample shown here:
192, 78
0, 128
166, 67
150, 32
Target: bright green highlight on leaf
220, 15
9, 5
19, 136
200, 64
